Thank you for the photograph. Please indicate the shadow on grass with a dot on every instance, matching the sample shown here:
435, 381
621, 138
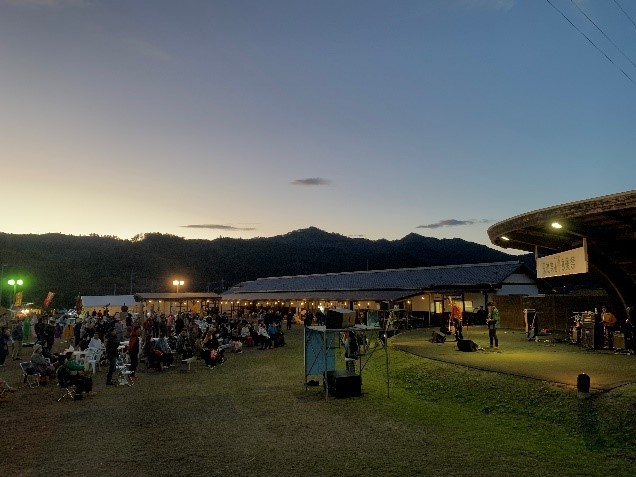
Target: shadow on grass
588, 417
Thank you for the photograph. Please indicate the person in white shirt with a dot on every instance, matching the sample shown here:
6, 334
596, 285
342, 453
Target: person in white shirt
95, 343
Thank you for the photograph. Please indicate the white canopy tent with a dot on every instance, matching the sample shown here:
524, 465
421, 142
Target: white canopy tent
112, 302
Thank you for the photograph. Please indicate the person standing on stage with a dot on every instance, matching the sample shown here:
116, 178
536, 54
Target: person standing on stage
456, 318
609, 321
493, 322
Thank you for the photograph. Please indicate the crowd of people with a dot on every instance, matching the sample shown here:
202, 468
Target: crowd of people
123, 339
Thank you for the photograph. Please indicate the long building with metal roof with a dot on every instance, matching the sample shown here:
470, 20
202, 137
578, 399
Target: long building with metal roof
422, 288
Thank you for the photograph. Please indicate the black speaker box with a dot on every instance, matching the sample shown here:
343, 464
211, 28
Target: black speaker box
438, 337
343, 384
466, 345
333, 321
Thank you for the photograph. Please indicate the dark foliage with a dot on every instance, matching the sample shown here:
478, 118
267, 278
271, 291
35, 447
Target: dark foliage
94, 265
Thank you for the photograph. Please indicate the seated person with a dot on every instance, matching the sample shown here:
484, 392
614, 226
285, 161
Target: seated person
40, 363
52, 357
152, 359
184, 346
210, 351
95, 343
236, 345
163, 352
263, 339
245, 331
73, 372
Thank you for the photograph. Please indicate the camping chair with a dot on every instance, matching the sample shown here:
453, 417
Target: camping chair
68, 389
30, 377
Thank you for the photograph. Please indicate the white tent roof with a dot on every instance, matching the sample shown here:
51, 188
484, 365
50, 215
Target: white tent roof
112, 301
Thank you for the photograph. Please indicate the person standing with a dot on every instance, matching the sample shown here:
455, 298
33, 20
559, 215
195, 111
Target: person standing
456, 318
493, 322
628, 329
16, 341
5, 338
49, 334
609, 321
351, 350
112, 352
26, 329
133, 350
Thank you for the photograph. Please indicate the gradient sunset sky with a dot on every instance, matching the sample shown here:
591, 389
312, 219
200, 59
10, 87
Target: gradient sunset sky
366, 118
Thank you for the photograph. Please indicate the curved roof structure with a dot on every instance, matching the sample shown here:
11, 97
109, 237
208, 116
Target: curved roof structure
607, 223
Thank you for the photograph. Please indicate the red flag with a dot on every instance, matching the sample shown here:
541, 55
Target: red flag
48, 299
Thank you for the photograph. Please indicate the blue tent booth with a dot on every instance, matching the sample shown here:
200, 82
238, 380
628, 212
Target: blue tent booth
321, 344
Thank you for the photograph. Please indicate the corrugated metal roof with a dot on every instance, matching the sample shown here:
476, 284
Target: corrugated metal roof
354, 295
377, 284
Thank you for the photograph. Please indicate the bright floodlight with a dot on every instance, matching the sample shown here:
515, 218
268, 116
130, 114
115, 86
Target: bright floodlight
557, 225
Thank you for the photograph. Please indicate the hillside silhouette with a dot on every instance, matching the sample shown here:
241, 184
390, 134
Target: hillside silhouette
98, 265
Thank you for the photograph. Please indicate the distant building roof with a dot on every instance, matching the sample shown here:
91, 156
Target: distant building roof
177, 296
379, 285
111, 301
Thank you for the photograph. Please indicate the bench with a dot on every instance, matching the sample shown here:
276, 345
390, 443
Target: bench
188, 361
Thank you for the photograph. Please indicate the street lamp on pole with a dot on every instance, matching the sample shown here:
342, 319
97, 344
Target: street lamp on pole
14, 283
178, 283
1, 280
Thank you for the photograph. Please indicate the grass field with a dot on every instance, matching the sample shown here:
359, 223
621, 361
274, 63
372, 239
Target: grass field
253, 417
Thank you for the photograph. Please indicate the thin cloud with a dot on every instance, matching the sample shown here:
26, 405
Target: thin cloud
311, 181
219, 227
144, 48
48, 3
452, 223
489, 4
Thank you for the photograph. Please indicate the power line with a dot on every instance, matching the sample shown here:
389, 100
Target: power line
592, 43
625, 13
603, 33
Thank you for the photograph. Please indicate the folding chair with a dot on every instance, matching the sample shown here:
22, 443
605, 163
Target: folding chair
30, 377
68, 389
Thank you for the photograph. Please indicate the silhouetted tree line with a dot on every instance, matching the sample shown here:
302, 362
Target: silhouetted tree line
95, 265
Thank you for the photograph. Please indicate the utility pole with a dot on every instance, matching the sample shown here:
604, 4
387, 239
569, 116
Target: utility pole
1, 280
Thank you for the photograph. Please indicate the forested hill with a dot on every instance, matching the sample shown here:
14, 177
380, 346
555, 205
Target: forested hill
94, 265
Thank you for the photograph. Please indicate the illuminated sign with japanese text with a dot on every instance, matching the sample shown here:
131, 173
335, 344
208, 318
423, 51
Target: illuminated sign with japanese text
565, 263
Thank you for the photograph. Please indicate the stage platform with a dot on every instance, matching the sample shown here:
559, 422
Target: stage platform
542, 359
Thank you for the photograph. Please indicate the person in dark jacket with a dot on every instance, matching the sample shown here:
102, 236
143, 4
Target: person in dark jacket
16, 341
112, 352
5, 338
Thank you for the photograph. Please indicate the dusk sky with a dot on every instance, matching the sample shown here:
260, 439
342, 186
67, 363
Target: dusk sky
367, 118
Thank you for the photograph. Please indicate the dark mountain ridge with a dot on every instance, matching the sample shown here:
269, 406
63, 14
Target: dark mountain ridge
96, 265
